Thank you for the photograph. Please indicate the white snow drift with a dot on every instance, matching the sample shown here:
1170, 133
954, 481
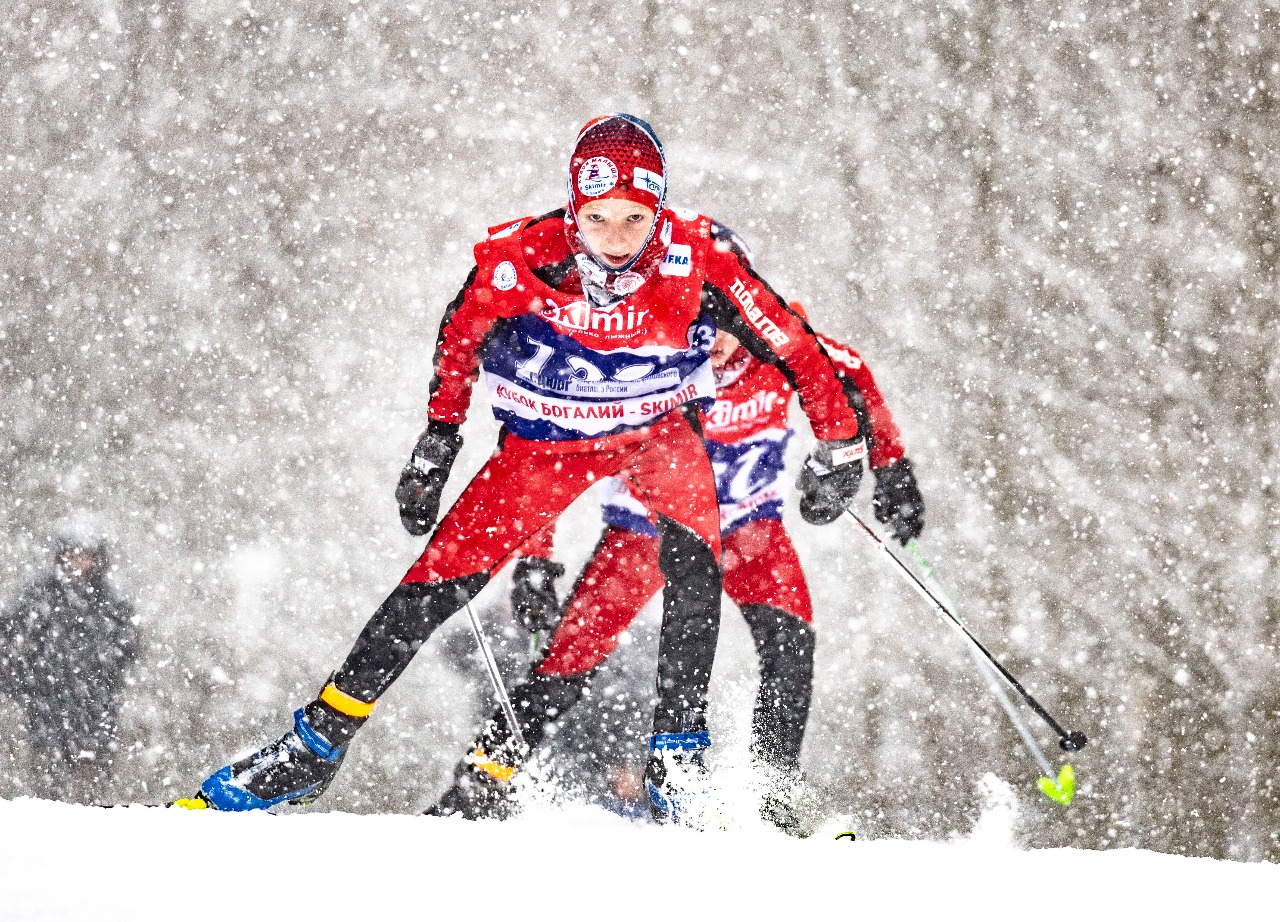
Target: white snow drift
61, 862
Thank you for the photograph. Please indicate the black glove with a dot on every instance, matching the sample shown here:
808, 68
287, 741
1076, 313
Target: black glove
898, 503
422, 480
533, 592
830, 478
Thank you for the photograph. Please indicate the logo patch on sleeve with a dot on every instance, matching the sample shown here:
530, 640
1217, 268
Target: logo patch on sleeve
678, 261
504, 275
758, 318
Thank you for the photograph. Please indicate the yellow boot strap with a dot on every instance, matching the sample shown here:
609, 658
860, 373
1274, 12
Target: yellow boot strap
491, 768
343, 703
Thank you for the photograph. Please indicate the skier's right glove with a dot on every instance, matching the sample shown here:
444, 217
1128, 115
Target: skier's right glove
533, 592
830, 478
422, 480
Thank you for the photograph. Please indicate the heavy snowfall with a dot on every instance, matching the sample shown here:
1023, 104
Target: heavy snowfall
230, 230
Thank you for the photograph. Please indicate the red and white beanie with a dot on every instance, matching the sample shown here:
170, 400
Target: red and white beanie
618, 156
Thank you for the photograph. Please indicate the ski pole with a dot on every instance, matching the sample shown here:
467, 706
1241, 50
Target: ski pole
1060, 788
495, 677
989, 674
1015, 718
1069, 741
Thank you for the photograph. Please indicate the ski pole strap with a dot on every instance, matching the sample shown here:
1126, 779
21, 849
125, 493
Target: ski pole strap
677, 741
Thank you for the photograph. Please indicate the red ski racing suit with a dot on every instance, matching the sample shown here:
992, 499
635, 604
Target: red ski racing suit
585, 394
746, 433
593, 372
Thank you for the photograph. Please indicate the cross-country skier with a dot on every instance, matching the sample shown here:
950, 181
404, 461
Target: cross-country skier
746, 437
593, 324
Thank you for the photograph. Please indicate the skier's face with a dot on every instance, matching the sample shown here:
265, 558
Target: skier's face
723, 348
80, 563
615, 229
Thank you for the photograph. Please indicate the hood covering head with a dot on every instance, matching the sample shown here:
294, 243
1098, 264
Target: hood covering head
82, 534
617, 156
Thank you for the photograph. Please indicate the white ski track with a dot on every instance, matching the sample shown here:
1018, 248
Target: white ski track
63, 862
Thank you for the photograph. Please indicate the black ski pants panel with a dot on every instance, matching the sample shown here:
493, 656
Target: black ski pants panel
690, 628
400, 626
538, 702
522, 488
785, 645
686, 649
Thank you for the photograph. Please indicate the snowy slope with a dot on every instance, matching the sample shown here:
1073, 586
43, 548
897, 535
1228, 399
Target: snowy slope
66, 862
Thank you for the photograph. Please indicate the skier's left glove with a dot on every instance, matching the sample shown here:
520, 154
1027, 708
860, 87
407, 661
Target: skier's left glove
422, 480
830, 479
898, 503
533, 592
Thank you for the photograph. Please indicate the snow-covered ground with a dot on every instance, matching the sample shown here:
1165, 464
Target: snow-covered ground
68, 862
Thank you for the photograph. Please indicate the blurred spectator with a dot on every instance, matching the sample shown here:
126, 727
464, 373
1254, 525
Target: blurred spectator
65, 645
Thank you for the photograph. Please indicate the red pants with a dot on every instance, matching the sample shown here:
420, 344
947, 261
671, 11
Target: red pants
526, 485
760, 568
522, 488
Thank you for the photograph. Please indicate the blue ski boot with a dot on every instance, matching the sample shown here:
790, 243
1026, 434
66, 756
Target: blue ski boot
295, 768
677, 778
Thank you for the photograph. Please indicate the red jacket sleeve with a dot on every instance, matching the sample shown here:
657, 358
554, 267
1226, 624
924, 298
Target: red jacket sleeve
540, 543
885, 438
744, 305
467, 321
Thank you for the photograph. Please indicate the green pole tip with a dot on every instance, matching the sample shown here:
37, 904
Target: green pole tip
1062, 790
